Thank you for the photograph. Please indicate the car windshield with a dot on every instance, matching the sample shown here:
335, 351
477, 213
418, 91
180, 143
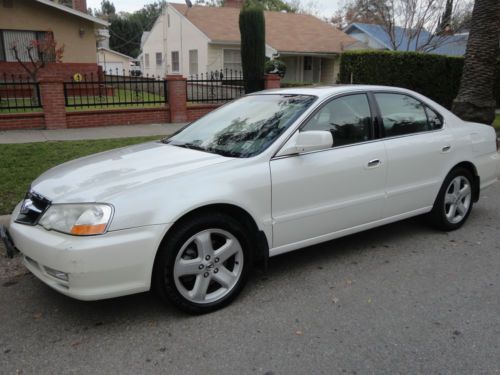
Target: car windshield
245, 127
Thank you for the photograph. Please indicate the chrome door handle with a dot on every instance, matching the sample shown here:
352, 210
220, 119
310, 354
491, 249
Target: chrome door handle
373, 163
446, 148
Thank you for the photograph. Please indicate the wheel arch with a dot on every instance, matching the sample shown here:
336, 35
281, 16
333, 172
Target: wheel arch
473, 170
261, 251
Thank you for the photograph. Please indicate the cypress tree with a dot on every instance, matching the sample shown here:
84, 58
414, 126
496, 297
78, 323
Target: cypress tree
253, 45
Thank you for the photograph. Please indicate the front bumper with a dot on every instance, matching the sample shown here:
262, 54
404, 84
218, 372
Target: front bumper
94, 267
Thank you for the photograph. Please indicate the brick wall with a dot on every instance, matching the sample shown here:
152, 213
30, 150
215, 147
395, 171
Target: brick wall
195, 111
134, 116
55, 115
11, 121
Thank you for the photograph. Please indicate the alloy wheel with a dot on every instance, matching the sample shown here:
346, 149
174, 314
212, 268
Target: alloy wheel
457, 199
208, 266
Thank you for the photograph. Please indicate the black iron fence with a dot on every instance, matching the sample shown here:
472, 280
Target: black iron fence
115, 91
215, 87
19, 94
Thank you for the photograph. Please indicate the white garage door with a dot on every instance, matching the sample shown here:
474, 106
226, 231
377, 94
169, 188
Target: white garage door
113, 68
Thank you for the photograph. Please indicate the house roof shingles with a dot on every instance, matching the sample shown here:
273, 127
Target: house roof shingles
285, 32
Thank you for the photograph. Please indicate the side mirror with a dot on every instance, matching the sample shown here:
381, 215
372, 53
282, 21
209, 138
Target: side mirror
312, 140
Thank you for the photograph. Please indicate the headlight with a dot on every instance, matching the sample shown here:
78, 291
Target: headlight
77, 219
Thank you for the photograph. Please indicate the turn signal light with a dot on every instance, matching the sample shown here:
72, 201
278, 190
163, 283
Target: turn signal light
85, 230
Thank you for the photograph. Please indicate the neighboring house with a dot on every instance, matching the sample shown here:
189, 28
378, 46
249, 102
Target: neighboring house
111, 61
376, 37
22, 21
114, 62
203, 39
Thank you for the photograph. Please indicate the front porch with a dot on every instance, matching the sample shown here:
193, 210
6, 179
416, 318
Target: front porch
311, 68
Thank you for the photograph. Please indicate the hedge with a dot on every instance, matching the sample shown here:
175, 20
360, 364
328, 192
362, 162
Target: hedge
435, 76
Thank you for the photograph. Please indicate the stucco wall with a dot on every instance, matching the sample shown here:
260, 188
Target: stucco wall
294, 68
183, 36
32, 16
216, 55
155, 43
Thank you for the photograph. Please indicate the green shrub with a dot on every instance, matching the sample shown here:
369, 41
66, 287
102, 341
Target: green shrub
275, 66
435, 76
253, 45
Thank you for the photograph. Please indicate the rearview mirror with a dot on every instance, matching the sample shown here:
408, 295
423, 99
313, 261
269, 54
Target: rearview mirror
312, 140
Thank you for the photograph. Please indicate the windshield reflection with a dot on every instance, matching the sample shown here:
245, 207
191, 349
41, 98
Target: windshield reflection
243, 128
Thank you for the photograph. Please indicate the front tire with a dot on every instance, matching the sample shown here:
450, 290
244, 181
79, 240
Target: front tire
204, 263
454, 201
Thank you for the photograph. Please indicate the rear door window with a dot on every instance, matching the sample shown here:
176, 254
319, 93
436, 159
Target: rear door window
402, 114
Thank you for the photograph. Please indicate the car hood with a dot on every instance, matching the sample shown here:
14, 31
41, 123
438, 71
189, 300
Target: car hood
99, 177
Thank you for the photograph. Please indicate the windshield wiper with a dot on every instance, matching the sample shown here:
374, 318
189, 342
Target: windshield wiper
190, 146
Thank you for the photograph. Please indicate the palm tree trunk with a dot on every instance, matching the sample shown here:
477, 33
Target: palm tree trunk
476, 100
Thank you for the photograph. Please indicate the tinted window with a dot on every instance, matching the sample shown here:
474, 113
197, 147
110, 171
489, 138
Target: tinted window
434, 118
348, 119
402, 114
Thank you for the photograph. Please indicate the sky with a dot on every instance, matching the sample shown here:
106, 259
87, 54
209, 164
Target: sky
325, 7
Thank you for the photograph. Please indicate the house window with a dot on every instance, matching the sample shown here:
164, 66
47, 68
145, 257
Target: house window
193, 61
158, 58
168, 20
146, 60
22, 40
175, 61
232, 59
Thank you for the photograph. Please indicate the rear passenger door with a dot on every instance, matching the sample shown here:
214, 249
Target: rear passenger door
418, 150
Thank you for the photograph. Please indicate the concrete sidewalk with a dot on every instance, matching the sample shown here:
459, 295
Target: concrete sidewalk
104, 132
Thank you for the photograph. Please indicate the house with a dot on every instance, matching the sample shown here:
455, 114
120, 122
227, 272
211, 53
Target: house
376, 37
22, 21
191, 40
111, 61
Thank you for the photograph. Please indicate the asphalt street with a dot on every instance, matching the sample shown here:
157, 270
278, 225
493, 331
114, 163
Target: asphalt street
400, 299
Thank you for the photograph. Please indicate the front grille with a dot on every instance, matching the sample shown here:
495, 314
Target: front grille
33, 207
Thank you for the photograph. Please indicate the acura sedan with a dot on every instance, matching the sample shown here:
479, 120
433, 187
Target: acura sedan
266, 174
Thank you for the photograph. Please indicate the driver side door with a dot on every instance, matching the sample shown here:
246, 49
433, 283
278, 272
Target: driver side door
320, 193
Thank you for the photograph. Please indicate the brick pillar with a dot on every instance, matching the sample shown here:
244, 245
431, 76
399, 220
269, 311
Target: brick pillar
52, 96
272, 81
176, 92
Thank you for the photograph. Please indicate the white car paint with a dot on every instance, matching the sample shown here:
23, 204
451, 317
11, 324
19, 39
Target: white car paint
295, 200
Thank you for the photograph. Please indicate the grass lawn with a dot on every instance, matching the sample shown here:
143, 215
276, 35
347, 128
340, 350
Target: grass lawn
134, 100
22, 163
19, 102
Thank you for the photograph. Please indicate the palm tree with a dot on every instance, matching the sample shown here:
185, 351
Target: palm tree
476, 100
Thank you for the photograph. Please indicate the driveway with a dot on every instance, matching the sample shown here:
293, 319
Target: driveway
401, 299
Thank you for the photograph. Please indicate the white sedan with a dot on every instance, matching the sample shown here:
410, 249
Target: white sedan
266, 174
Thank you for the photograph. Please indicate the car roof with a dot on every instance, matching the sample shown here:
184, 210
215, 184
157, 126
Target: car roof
326, 91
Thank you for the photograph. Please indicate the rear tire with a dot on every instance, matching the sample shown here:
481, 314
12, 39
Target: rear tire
204, 263
454, 201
